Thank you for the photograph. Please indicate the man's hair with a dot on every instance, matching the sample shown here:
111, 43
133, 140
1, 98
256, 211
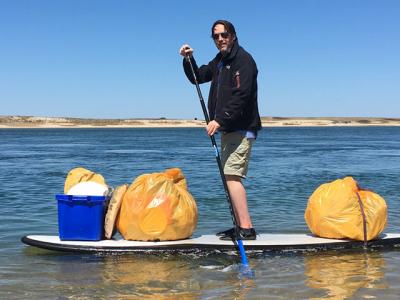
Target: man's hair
228, 27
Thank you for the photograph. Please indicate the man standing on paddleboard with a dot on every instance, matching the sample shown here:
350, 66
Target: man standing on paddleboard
233, 111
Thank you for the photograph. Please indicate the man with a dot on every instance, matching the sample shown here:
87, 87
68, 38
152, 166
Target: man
233, 110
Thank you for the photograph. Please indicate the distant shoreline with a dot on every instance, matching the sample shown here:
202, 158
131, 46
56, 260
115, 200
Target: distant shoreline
64, 122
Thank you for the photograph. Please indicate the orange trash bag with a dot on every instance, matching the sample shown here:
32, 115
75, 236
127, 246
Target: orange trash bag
340, 209
158, 206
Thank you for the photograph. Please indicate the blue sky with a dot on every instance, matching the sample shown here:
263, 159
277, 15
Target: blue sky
119, 59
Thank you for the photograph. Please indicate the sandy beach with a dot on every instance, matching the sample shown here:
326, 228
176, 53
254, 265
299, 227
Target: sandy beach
65, 122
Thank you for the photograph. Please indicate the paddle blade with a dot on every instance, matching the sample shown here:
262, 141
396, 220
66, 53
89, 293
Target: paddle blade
246, 272
244, 269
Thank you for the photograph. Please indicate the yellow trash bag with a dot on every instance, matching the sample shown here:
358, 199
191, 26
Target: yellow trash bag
158, 206
340, 209
78, 175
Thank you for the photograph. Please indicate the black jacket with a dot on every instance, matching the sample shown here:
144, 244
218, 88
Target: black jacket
232, 100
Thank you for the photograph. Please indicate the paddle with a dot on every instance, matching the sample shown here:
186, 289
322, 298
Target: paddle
245, 268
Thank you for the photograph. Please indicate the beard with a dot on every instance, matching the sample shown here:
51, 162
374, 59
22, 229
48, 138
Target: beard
225, 52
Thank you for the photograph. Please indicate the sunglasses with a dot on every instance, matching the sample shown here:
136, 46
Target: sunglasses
224, 35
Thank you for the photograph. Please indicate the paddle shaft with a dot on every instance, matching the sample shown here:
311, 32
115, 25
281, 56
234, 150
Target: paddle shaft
214, 144
221, 170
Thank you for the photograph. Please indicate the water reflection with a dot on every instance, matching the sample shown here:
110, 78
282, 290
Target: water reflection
320, 275
157, 277
160, 277
342, 275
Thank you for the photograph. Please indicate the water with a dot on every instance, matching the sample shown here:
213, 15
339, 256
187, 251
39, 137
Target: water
288, 164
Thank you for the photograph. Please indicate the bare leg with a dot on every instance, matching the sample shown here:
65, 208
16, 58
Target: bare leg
239, 200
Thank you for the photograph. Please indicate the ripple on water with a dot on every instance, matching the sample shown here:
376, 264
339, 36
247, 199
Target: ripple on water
288, 165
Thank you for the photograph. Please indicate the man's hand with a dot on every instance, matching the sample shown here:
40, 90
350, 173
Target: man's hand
212, 127
186, 50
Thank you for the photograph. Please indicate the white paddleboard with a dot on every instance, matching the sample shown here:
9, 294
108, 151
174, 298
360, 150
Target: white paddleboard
209, 243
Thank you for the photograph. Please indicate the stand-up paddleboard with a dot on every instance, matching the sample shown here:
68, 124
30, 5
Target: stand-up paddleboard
210, 243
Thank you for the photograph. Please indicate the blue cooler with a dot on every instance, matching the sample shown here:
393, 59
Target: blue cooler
81, 218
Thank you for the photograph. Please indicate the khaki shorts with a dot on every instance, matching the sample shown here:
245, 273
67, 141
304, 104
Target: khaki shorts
235, 153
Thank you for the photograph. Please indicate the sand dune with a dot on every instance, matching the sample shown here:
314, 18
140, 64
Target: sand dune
64, 122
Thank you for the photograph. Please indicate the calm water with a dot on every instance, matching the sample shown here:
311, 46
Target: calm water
287, 165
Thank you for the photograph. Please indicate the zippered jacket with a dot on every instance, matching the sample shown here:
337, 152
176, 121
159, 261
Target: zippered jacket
232, 100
